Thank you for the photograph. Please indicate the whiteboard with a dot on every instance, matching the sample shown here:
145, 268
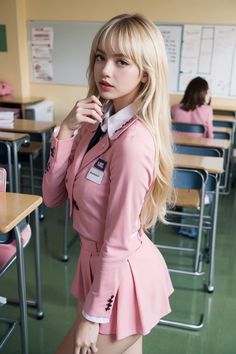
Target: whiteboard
209, 51
192, 50
172, 35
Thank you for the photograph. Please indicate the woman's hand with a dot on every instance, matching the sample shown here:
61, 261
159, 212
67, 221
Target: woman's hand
88, 110
86, 337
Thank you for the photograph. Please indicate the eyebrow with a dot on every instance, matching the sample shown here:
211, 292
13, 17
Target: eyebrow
114, 55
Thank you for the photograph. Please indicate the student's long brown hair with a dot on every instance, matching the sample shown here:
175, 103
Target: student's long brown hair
141, 41
195, 94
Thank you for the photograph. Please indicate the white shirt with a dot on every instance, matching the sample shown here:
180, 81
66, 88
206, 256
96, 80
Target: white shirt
113, 122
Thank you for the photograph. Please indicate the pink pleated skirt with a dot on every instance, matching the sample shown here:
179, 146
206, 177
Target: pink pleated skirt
143, 295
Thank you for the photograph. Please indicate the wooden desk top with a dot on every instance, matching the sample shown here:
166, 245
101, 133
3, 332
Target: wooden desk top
224, 118
29, 126
5, 136
20, 100
227, 108
14, 207
203, 142
207, 163
222, 129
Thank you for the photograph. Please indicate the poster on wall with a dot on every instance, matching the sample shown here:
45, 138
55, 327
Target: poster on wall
41, 53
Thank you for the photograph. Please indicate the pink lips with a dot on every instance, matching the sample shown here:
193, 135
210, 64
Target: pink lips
105, 85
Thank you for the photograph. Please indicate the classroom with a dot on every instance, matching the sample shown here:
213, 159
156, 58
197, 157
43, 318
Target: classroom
44, 57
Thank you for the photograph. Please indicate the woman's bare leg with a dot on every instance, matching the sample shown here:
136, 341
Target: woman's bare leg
107, 344
136, 348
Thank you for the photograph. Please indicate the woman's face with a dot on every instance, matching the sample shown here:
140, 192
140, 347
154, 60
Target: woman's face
117, 78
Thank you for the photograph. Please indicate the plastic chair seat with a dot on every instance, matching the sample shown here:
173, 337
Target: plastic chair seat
8, 250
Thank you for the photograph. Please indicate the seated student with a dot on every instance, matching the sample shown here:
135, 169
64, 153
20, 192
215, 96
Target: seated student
195, 107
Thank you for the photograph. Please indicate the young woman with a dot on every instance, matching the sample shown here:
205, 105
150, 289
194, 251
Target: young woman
195, 106
112, 157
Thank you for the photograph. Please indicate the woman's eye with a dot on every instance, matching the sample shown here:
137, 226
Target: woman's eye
99, 57
122, 62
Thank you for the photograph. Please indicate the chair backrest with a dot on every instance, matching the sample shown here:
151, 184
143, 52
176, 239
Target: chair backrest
188, 127
221, 123
3, 179
189, 179
222, 135
198, 150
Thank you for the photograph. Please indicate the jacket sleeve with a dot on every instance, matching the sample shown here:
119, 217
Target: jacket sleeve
61, 154
131, 174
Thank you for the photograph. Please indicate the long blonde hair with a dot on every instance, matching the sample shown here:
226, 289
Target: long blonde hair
141, 41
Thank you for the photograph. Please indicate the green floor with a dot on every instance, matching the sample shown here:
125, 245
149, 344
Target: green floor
188, 302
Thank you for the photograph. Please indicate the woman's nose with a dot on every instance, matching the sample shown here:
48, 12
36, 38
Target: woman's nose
107, 68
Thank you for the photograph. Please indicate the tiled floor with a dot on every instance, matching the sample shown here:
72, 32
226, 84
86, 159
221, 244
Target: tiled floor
216, 337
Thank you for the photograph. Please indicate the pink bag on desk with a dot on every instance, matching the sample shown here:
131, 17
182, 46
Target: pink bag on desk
5, 89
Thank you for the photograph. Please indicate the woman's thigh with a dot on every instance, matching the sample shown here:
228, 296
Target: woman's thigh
106, 344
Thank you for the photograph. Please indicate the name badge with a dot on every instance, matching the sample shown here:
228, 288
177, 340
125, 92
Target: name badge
96, 172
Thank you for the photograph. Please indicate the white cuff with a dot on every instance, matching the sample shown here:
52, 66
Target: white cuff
95, 319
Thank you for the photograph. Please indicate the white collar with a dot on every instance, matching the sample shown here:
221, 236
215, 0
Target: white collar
113, 122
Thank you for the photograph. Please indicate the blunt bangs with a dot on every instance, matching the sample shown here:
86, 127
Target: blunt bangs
122, 39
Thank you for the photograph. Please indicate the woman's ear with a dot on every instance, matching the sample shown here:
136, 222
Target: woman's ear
144, 77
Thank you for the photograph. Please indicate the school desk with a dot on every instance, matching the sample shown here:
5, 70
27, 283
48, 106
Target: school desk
19, 102
208, 163
34, 127
229, 110
14, 208
203, 142
13, 141
223, 130
223, 144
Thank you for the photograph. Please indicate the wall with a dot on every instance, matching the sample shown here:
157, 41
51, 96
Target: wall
182, 11
14, 62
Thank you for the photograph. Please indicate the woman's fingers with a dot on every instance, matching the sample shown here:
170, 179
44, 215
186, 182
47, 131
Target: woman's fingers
94, 348
83, 113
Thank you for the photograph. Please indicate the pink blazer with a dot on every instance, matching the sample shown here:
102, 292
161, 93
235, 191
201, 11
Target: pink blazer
200, 115
106, 188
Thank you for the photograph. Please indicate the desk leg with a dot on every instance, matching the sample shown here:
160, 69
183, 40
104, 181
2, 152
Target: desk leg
38, 266
22, 292
210, 285
15, 163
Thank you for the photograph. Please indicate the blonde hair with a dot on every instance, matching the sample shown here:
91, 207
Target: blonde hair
141, 41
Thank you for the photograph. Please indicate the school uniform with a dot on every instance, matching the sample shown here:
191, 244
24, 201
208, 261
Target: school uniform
200, 115
121, 276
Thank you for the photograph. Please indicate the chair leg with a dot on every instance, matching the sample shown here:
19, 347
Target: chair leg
12, 325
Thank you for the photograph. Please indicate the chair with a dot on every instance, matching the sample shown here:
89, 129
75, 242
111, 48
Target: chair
197, 150
212, 186
221, 123
190, 191
188, 128
225, 178
9, 253
29, 152
222, 135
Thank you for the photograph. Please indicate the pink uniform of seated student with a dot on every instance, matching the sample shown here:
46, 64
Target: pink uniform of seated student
195, 107
112, 158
